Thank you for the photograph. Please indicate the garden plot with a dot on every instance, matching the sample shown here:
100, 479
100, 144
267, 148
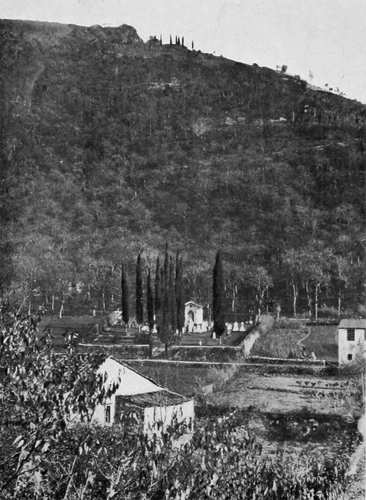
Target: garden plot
285, 393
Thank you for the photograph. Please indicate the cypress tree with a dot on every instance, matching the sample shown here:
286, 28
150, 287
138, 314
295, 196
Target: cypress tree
157, 304
149, 302
166, 266
218, 296
170, 40
164, 317
179, 292
182, 41
139, 292
124, 296
172, 298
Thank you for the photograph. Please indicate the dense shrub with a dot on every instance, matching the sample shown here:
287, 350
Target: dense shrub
289, 323
328, 312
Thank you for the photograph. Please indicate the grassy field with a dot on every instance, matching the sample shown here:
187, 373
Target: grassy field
297, 341
187, 380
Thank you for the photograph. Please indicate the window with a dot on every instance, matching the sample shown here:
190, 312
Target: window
349, 357
107, 414
350, 334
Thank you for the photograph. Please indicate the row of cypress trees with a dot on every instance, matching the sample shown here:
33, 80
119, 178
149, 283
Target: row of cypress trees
165, 305
164, 301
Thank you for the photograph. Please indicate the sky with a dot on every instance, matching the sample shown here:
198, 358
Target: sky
323, 41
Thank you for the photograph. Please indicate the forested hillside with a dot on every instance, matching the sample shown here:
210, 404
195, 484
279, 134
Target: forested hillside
110, 145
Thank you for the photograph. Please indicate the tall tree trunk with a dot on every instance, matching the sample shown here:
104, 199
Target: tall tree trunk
339, 302
316, 304
308, 296
233, 297
61, 312
294, 299
103, 299
53, 303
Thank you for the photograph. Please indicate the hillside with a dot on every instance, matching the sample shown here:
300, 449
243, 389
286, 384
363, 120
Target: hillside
110, 144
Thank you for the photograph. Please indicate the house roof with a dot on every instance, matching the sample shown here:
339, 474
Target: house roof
352, 323
159, 398
135, 386
191, 302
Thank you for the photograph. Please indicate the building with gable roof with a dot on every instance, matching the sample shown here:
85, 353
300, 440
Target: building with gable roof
154, 406
351, 339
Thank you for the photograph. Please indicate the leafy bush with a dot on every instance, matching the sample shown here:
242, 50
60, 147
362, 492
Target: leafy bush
204, 353
142, 338
220, 376
289, 323
266, 322
328, 312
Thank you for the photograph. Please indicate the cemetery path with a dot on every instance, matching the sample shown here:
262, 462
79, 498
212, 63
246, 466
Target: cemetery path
300, 342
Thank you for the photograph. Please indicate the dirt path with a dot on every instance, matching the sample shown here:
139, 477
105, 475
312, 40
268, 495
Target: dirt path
300, 342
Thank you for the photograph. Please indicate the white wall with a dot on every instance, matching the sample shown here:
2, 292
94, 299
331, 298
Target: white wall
353, 347
165, 414
129, 383
197, 311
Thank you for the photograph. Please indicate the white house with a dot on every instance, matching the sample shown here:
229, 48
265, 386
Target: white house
154, 406
193, 317
351, 339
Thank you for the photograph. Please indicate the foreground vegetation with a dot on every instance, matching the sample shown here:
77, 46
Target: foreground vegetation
41, 457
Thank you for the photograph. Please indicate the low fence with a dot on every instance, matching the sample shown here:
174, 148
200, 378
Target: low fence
286, 361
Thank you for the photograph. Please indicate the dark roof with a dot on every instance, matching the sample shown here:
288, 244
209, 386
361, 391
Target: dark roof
352, 323
151, 399
193, 303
